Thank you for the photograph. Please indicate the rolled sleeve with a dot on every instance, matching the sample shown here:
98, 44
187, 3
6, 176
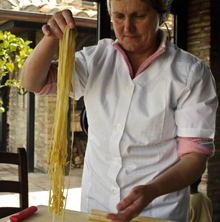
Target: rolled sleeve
51, 86
199, 145
196, 111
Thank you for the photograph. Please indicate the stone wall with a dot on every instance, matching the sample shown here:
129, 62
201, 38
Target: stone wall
17, 120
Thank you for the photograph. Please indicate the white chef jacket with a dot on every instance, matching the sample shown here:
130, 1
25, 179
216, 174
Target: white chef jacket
134, 123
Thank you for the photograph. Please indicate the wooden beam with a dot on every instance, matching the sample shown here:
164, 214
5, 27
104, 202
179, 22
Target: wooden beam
104, 21
3, 116
31, 116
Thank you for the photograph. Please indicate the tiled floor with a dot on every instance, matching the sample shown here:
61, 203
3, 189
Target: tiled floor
39, 188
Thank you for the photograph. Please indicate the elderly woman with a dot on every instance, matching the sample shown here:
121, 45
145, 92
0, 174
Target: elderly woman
150, 108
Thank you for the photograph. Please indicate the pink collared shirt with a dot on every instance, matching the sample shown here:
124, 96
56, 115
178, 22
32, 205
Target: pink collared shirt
185, 144
149, 60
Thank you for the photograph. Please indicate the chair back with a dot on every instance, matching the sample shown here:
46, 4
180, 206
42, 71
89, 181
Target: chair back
20, 186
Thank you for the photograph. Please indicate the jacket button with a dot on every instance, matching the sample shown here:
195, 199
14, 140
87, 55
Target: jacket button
119, 126
129, 88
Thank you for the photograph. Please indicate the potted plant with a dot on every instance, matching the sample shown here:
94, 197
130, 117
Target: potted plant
13, 52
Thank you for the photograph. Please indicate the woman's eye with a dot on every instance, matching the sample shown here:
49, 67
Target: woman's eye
119, 16
139, 16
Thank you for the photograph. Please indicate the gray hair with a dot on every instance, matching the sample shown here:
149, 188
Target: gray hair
161, 6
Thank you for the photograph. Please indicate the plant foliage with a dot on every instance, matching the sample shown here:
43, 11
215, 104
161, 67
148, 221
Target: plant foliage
13, 52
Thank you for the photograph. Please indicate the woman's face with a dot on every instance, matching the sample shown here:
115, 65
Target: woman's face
135, 24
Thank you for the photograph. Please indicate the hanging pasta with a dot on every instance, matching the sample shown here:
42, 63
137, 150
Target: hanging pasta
57, 156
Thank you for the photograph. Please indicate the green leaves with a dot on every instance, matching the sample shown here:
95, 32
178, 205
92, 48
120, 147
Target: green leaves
12, 82
13, 52
10, 67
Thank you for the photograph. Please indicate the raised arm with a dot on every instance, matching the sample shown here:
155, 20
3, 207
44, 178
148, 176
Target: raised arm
36, 67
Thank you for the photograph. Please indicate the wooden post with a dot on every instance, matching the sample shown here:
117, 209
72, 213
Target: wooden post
3, 116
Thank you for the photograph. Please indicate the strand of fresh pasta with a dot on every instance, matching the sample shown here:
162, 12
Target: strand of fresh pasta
57, 156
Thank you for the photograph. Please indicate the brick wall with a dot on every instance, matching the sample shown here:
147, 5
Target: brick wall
44, 117
203, 41
199, 36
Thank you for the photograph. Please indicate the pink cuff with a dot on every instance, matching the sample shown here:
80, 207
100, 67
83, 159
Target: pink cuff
51, 86
198, 145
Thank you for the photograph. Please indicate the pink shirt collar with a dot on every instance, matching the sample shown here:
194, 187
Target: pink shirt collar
149, 60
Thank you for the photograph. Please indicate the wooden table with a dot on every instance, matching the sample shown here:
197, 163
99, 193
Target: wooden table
42, 215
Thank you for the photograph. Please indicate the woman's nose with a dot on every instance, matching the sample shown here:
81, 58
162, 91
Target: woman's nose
129, 26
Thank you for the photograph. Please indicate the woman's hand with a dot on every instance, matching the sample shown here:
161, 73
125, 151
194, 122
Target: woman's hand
182, 174
132, 205
56, 24
36, 67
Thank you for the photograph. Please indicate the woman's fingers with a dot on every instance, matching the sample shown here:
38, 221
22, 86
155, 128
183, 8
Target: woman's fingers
67, 14
135, 197
46, 30
132, 205
117, 217
57, 23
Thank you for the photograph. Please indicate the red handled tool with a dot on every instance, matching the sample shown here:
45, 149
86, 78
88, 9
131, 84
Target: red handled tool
23, 214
